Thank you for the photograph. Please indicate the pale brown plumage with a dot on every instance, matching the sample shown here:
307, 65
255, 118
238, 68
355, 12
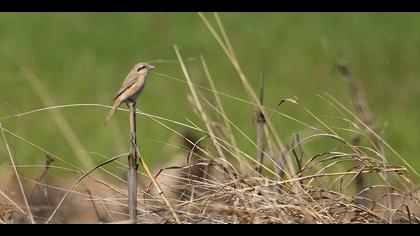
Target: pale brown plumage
132, 86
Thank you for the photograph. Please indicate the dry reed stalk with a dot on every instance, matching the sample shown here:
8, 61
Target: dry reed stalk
226, 46
132, 166
361, 106
219, 103
203, 114
359, 101
260, 127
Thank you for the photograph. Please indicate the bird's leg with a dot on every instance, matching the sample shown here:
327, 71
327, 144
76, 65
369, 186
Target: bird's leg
130, 101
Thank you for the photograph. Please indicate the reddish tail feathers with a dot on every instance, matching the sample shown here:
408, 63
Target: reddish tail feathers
114, 107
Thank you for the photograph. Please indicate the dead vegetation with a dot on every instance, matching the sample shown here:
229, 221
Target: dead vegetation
213, 180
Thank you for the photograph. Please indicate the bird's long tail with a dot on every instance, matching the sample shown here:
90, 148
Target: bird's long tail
114, 107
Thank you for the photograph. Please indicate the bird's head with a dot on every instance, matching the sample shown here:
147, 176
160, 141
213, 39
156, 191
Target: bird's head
142, 69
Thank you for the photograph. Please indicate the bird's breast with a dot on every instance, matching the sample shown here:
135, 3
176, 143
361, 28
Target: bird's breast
133, 91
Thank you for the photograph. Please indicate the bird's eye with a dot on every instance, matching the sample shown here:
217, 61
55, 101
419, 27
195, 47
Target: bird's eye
141, 68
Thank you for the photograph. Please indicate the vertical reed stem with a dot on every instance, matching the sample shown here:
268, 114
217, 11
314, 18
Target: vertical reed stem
260, 127
132, 166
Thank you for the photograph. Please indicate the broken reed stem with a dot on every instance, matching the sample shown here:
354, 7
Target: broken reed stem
132, 166
260, 127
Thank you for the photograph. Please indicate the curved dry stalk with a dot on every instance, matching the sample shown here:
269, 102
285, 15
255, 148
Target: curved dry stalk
78, 181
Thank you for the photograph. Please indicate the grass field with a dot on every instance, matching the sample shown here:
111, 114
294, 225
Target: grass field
82, 58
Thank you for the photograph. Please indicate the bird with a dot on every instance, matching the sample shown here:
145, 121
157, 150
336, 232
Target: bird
132, 86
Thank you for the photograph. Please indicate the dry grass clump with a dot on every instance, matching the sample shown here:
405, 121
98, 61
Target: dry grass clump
204, 192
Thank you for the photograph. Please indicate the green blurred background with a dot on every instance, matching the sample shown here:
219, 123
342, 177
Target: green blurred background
84, 57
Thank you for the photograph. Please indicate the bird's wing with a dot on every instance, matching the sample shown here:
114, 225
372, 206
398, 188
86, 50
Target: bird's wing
129, 81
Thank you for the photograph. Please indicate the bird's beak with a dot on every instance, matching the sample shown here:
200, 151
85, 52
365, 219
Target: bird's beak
151, 67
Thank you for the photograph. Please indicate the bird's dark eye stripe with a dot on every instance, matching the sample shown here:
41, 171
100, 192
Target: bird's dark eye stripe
141, 68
